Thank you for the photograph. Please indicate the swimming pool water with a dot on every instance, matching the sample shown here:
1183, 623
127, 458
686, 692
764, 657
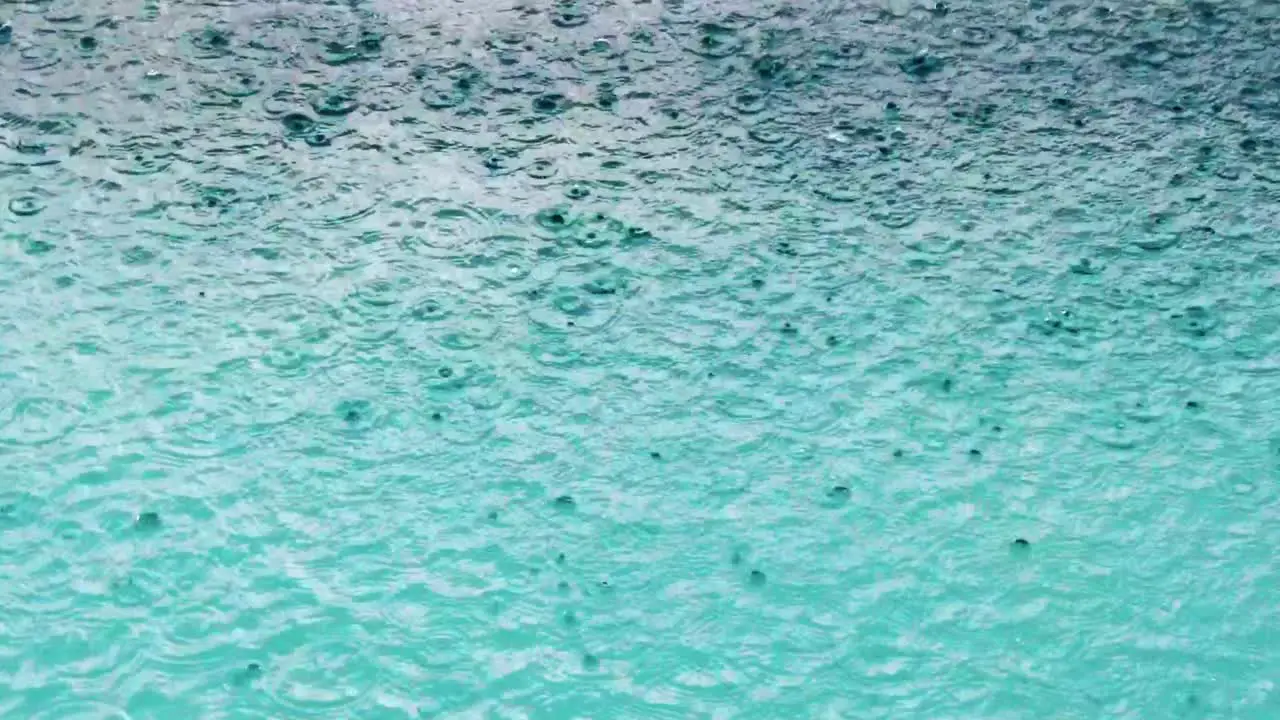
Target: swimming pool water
837, 359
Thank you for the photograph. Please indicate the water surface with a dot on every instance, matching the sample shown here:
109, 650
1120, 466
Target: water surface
639, 360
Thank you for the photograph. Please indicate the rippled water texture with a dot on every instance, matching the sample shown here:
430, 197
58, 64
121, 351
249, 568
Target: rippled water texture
639, 359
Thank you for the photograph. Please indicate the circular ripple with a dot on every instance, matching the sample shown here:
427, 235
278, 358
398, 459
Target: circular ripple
141, 155
935, 244
450, 86
194, 438
671, 121
382, 98
741, 407
769, 131
282, 102
335, 103
430, 310
299, 332
1183, 43
569, 15
600, 231
647, 50
323, 679
38, 420
1089, 42
602, 55
190, 644
470, 331
713, 40
543, 169
34, 58
329, 202
441, 322
839, 191
895, 218
138, 588
209, 42
373, 310
235, 84
574, 309
500, 267
26, 205
749, 102
1195, 321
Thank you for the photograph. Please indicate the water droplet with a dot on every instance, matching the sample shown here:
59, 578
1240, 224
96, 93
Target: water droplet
549, 103
247, 674
212, 41
297, 124
353, 410
606, 98
137, 255
555, 219
768, 67
568, 16
922, 64
335, 104
973, 35
716, 41
148, 520
370, 43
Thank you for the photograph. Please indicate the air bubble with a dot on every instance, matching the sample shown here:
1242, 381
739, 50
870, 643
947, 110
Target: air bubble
922, 65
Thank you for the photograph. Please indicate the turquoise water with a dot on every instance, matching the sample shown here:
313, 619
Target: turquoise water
639, 360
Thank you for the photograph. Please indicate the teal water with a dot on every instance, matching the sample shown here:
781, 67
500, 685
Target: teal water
639, 360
